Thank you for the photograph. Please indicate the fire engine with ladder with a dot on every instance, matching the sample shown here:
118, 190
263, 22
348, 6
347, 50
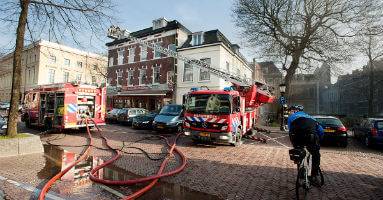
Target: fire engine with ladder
64, 105
222, 116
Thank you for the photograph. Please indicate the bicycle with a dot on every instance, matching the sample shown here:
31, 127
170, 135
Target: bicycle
303, 159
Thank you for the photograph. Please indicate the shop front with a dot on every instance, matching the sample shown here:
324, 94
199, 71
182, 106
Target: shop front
150, 97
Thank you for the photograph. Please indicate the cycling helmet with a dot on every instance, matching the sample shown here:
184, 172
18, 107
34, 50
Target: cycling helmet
296, 107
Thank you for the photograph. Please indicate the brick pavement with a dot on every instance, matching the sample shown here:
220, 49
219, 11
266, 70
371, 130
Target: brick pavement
252, 171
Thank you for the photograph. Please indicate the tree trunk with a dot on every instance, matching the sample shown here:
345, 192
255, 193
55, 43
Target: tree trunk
16, 81
290, 73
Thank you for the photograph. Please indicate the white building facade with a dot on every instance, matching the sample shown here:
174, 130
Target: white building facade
214, 48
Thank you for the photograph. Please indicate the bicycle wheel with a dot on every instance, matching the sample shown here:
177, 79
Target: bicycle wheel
321, 177
301, 188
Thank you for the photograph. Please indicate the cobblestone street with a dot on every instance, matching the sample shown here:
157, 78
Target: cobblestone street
253, 170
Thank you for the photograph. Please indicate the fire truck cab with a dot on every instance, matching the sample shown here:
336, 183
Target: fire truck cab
221, 115
63, 106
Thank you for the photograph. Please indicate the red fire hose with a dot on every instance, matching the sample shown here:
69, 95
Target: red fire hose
50, 182
94, 171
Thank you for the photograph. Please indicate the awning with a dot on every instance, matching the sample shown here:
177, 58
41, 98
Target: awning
144, 93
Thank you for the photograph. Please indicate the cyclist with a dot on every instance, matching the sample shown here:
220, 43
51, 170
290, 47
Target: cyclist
304, 130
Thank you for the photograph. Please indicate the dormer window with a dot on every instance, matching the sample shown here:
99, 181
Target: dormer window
197, 38
160, 23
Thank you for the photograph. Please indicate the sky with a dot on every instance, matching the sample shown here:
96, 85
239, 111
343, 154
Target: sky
196, 15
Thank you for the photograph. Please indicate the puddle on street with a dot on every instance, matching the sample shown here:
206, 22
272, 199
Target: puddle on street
75, 184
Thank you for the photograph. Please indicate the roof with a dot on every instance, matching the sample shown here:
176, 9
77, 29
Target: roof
149, 31
212, 37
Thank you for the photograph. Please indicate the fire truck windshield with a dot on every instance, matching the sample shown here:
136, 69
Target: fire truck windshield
213, 104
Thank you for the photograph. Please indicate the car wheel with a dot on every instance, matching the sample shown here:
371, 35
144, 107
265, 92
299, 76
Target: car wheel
344, 143
367, 141
180, 129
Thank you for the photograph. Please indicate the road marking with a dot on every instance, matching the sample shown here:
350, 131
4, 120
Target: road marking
111, 190
274, 139
50, 195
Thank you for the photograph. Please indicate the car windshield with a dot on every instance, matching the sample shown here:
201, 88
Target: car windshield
329, 122
218, 104
171, 110
113, 111
379, 125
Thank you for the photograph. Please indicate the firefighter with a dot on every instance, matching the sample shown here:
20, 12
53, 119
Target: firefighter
304, 130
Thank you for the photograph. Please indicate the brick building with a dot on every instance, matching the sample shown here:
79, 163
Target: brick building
139, 76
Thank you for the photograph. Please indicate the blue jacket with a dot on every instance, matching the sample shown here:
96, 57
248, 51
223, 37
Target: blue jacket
299, 114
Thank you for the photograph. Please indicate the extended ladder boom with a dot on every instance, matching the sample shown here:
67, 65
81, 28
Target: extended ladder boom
196, 63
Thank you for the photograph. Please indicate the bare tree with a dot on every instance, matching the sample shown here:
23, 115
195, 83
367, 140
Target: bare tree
298, 32
58, 18
369, 41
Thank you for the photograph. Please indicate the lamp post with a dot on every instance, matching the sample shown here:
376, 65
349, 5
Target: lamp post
282, 101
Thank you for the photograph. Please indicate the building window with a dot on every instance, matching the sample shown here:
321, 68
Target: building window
119, 78
33, 75
120, 58
204, 75
94, 67
157, 54
94, 80
78, 77
66, 77
79, 64
104, 70
110, 61
66, 62
197, 39
51, 75
156, 75
131, 55
52, 59
172, 47
188, 73
144, 53
130, 77
142, 76
227, 67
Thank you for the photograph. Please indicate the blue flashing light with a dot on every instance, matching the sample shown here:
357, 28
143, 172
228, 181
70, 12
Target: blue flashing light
193, 89
227, 89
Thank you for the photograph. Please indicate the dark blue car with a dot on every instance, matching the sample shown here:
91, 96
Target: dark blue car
3, 125
370, 131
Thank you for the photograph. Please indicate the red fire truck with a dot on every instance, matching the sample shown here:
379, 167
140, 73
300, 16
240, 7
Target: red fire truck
64, 106
223, 115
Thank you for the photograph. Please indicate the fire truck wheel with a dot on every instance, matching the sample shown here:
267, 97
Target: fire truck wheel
48, 124
251, 132
238, 137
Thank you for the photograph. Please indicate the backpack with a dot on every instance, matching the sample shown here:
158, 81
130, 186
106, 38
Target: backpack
304, 132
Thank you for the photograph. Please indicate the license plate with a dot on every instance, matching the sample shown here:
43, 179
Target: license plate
121, 117
160, 127
135, 124
205, 134
329, 130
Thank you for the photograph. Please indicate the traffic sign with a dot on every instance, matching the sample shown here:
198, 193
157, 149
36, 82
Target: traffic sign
282, 100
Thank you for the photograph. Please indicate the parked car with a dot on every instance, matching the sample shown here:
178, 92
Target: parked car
4, 105
370, 131
334, 130
108, 109
3, 125
171, 117
126, 115
111, 116
144, 121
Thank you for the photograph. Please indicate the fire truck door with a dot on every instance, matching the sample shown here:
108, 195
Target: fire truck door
42, 107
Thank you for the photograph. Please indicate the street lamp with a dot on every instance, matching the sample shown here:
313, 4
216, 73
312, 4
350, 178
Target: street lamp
282, 101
